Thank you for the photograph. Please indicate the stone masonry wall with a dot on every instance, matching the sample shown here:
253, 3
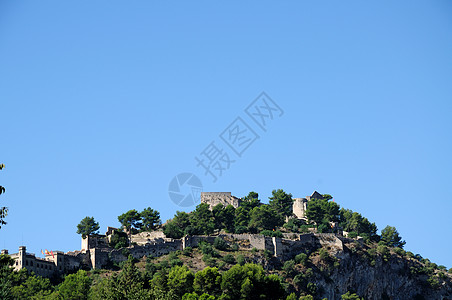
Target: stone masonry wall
215, 198
280, 247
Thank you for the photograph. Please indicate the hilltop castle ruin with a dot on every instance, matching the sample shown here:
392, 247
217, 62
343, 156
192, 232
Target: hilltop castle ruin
96, 251
225, 198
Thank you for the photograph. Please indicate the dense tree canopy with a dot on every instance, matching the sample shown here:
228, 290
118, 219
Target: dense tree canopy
354, 222
322, 210
281, 202
175, 228
130, 220
150, 219
264, 217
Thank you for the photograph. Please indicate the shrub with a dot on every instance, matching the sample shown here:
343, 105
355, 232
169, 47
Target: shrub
119, 240
323, 228
350, 296
240, 229
188, 251
433, 282
410, 254
240, 260
442, 268
235, 247
384, 251
163, 264
222, 265
209, 260
399, 251
272, 233
229, 259
220, 244
292, 297
289, 268
277, 233
293, 224
125, 252
352, 235
312, 288
268, 254
173, 255
304, 228
175, 262
207, 248
150, 270
324, 255
266, 232
302, 258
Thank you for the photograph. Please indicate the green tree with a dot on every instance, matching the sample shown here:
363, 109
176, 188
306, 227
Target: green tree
87, 226
75, 286
3, 209
201, 220
314, 211
241, 220
250, 201
281, 202
391, 238
264, 217
180, 280
150, 219
353, 222
224, 217
322, 211
6, 274
208, 281
119, 240
129, 284
130, 220
250, 282
175, 228
218, 216
32, 286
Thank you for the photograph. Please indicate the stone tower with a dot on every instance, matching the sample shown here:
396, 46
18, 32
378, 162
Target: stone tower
299, 207
300, 204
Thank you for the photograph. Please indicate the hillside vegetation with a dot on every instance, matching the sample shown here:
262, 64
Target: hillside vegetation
370, 266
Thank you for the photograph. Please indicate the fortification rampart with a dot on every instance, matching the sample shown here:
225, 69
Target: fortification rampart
280, 247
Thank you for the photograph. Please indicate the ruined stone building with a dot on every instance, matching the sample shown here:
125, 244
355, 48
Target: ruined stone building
215, 198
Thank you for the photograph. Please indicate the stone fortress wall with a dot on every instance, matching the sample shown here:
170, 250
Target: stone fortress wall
96, 253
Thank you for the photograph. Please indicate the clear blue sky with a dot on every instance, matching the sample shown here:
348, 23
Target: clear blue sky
102, 104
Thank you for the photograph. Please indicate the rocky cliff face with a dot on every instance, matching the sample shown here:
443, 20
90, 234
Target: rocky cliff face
377, 273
